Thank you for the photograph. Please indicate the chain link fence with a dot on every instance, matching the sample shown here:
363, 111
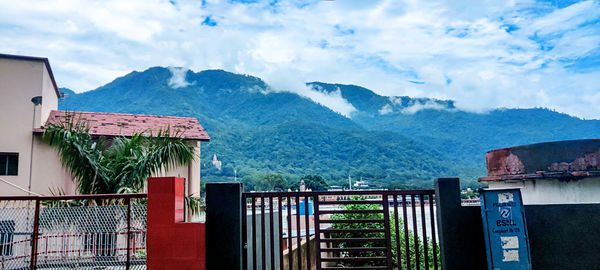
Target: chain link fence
68, 232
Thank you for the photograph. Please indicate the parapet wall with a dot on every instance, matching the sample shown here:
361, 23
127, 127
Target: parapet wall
561, 236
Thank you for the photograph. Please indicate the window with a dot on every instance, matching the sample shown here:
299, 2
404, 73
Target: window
9, 163
7, 232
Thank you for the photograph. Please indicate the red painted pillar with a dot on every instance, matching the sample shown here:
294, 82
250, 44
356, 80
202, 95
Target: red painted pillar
171, 243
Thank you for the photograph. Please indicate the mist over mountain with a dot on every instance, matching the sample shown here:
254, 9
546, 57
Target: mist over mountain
333, 130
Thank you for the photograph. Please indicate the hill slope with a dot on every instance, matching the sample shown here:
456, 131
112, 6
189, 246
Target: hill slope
388, 140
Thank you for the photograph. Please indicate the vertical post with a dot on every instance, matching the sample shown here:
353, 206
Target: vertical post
388, 237
244, 232
447, 193
307, 230
224, 226
128, 262
35, 234
317, 232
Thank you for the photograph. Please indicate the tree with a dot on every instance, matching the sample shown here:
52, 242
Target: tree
270, 182
114, 165
312, 182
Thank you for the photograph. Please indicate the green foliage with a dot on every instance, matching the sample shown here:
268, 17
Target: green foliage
121, 165
354, 216
419, 243
270, 182
313, 182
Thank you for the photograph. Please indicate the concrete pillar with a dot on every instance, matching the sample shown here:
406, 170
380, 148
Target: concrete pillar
194, 172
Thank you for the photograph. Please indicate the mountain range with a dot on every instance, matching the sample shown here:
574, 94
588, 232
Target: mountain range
391, 141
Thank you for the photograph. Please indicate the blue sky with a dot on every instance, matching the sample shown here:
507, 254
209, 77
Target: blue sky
484, 54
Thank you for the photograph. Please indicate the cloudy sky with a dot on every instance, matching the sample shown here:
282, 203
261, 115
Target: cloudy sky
482, 53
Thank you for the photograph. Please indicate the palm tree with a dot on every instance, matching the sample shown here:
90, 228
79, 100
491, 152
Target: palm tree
114, 165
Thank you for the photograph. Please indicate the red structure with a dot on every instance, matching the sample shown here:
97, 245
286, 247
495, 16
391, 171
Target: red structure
172, 244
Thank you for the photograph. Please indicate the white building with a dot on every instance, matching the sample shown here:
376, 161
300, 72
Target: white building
29, 100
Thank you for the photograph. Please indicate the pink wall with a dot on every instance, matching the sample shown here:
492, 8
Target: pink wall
172, 244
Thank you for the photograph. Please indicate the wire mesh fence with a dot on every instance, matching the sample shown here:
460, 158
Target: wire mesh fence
67, 232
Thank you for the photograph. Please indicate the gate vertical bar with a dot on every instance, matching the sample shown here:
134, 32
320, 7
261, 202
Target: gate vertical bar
34, 235
433, 235
424, 227
244, 231
406, 240
398, 251
253, 233
128, 263
289, 227
307, 230
415, 231
298, 232
271, 233
279, 203
263, 237
388, 238
317, 232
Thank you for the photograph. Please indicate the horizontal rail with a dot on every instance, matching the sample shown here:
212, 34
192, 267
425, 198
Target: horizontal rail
352, 221
353, 259
356, 268
366, 230
367, 239
342, 193
344, 249
351, 202
326, 212
74, 197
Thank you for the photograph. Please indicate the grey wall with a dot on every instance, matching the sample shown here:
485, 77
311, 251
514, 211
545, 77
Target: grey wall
563, 236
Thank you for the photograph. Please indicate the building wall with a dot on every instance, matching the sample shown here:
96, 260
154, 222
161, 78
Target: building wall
553, 191
49, 98
19, 82
48, 173
191, 173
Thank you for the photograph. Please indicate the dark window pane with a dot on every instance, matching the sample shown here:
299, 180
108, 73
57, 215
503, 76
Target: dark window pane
9, 163
3, 159
13, 164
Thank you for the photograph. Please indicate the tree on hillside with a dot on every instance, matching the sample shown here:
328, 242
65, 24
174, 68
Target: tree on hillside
312, 182
270, 182
116, 165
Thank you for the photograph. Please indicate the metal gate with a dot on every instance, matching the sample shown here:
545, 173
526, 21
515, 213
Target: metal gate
366, 229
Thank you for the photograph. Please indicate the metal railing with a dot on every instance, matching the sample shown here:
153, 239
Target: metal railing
80, 231
377, 229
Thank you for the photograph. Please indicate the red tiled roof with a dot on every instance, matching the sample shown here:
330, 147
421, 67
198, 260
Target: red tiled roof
122, 124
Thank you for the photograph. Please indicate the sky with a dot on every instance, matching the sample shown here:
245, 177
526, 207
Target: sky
483, 54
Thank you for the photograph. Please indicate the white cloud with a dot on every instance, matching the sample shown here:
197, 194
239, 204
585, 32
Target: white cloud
177, 79
387, 108
332, 100
429, 105
461, 50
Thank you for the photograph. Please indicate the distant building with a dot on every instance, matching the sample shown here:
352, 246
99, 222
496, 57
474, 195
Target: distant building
361, 184
29, 101
217, 163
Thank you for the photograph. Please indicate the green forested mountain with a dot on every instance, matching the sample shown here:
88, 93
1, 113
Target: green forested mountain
391, 141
